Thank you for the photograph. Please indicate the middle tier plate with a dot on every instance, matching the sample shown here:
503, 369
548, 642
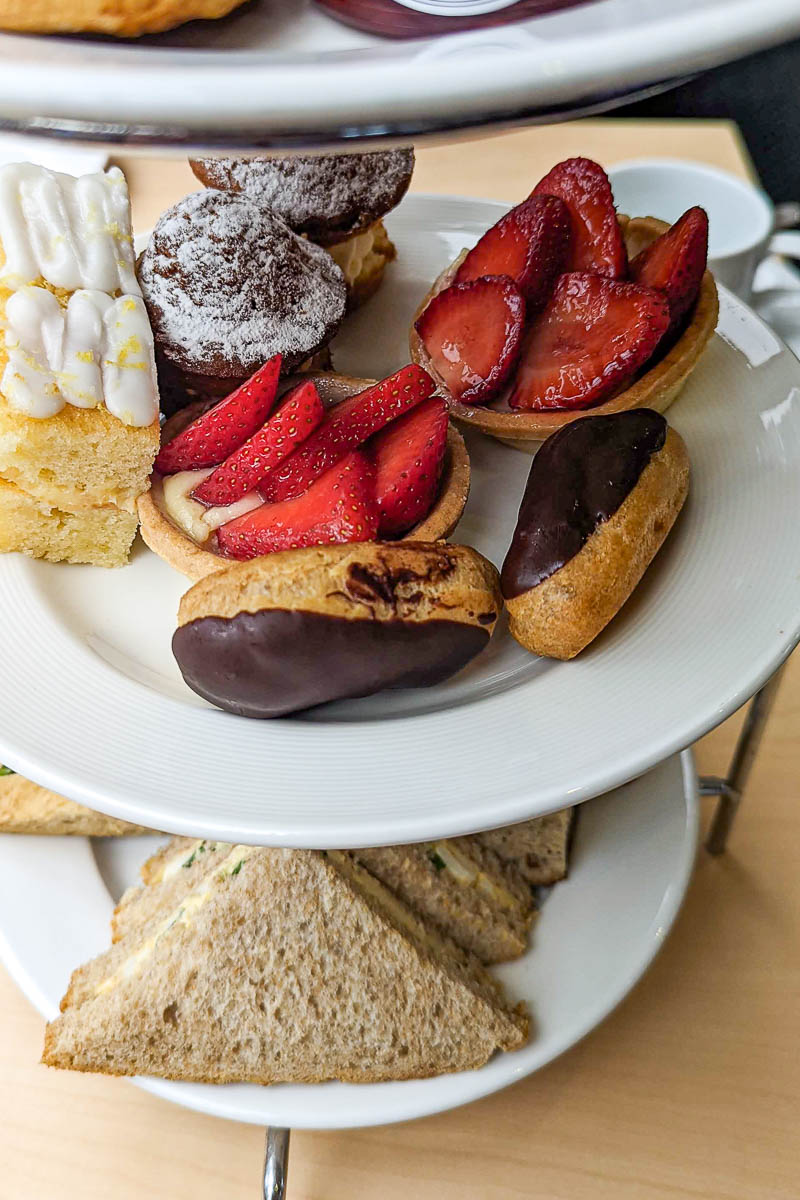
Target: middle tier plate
94, 707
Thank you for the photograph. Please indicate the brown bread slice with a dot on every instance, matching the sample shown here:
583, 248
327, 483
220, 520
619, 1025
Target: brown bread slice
539, 848
299, 967
27, 808
168, 875
463, 889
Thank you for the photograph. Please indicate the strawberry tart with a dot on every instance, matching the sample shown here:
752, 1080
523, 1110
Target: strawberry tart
315, 460
564, 306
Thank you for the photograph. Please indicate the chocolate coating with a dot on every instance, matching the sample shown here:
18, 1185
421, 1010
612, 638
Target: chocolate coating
276, 661
578, 479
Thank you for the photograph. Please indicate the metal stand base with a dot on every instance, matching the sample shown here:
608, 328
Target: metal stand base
731, 788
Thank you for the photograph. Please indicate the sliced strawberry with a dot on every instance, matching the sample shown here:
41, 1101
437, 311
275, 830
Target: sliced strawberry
597, 244
530, 244
339, 507
591, 339
472, 332
675, 263
295, 420
408, 456
214, 435
346, 426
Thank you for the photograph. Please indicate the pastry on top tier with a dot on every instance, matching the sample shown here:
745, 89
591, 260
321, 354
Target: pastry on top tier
336, 200
228, 285
78, 393
121, 18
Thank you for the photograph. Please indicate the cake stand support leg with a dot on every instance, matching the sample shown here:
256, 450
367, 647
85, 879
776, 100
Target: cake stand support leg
276, 1163
731, 789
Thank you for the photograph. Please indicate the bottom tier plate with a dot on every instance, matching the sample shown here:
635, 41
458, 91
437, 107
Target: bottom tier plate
597, 934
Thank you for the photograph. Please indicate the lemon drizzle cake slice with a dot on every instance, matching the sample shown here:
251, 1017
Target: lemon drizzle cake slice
78, 391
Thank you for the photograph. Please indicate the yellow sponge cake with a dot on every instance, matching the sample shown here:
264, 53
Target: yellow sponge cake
101, 535
77, 458
78, 396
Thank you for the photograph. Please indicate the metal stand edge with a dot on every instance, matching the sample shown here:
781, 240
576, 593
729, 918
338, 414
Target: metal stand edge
731, 787
276, 1163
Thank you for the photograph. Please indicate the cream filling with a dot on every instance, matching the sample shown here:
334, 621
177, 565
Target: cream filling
468, 874
351, 255
180, 917
192, 517
174, 865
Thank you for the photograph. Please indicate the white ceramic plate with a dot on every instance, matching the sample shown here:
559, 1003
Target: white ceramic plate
93, 705
280, 72
597, 933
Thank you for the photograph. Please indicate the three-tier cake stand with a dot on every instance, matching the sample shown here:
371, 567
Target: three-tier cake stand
284, 75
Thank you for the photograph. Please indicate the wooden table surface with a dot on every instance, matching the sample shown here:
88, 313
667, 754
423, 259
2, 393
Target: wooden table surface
690, 1090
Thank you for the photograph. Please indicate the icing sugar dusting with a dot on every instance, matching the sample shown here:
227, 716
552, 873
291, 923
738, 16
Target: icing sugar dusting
340, 191
228, 284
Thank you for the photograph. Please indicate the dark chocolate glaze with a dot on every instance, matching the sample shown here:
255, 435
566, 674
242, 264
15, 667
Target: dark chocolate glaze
273, 662
578, 479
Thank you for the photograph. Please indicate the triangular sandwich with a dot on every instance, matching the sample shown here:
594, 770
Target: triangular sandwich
283, 966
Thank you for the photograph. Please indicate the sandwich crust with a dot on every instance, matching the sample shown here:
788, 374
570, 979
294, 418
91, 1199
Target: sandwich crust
27, 808
564, 613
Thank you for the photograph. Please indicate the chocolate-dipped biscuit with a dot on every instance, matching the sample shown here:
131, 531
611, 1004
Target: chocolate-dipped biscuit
328, 197
601, 497
299, 628
227, 284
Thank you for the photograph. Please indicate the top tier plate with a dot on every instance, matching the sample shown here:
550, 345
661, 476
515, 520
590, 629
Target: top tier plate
92, 704
284, 74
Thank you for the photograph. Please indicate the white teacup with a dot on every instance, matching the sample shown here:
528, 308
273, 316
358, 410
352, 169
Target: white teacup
742, 219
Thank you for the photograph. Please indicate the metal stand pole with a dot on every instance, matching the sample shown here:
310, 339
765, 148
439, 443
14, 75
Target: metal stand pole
731, 788
276, 1163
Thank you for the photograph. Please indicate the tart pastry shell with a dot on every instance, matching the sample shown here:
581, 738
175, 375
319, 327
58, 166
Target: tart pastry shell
656, 388
170, 543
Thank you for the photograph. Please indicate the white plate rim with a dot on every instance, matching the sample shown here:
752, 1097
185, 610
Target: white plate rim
442, 1093
397, 93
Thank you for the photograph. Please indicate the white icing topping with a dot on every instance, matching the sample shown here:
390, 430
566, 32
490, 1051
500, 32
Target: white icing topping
351, 255
73, 233
95, 350
192, 517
